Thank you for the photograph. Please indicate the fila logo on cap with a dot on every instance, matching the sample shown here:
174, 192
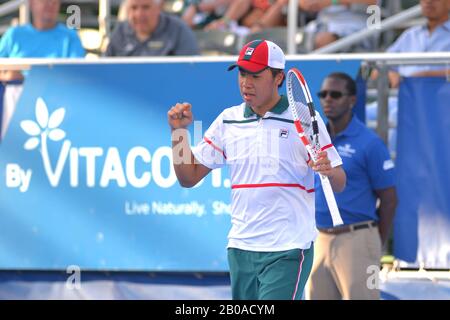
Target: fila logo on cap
259, 55
249, 51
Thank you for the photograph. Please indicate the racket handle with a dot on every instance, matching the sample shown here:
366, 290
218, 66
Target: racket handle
331, 201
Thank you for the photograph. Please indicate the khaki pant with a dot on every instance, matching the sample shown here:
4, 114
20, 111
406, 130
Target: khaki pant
345, 266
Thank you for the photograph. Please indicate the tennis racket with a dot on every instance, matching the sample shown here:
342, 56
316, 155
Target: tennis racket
304, 114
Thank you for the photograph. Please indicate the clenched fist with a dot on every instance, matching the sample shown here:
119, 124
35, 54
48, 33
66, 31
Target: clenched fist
180, 115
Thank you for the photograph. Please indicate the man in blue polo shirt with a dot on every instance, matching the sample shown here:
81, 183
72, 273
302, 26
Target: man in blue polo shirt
343, 254
44, 38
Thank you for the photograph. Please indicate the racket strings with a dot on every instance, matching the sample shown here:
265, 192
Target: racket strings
298, 103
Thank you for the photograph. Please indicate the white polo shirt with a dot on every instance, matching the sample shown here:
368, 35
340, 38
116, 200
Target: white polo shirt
273, 205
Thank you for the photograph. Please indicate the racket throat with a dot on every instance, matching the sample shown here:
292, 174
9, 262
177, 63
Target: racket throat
315, 127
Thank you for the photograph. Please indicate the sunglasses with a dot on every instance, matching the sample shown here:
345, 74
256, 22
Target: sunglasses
333, 94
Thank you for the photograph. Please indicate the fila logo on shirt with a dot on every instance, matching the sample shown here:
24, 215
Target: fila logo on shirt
284, 133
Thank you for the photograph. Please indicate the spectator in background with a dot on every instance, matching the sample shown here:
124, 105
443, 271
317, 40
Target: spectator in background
254, 15
150, 32
434, 36
199, 13
274, 16
43, 38
336, 19
344, 253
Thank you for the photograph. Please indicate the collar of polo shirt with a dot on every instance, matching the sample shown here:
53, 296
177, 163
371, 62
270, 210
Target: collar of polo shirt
279, 108
353, 128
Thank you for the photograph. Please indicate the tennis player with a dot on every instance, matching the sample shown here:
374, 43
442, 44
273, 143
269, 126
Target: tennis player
270, 244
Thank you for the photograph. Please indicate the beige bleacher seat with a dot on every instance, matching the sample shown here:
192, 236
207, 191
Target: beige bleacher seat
217, 42
173, 6
92, 41
279, 36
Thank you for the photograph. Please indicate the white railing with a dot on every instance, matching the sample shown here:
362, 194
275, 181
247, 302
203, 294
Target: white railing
14, 5
292, 26
104, 17
385, 58
10, 6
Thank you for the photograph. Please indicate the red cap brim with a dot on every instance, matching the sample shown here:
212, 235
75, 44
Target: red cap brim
248, 66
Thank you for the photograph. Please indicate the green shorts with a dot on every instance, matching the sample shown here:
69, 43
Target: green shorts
269, 275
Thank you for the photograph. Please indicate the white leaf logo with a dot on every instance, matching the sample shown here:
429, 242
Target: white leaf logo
56, 118
31, 143
41, 113
43, 130
44, 127
31, 127
56, 134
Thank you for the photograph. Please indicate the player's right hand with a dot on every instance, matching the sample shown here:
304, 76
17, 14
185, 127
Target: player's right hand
180, 115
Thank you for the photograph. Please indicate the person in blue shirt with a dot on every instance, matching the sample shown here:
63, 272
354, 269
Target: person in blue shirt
344, 255
434, 36
43, 38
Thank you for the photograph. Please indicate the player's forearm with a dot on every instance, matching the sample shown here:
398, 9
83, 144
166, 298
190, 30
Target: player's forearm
183, 159
337, 179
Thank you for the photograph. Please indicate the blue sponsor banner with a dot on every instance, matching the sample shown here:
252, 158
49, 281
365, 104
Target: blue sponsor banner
85, 168
422, 221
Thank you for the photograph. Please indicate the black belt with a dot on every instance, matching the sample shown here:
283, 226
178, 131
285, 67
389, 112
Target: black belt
348, 228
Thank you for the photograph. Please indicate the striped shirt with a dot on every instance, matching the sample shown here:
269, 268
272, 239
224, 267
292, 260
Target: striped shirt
273, 205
